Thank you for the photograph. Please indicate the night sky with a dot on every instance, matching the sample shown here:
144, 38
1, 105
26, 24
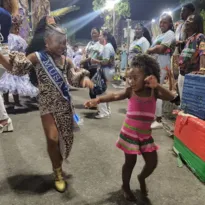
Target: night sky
140, 10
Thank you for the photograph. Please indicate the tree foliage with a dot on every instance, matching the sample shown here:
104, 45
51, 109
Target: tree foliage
122, 9
203, 16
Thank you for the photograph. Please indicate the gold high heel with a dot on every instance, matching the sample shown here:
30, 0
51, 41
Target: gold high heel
60, 183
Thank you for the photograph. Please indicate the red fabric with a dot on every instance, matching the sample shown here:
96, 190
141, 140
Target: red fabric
191, 131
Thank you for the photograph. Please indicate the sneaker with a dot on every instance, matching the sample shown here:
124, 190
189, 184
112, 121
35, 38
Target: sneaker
156, 125
101, 116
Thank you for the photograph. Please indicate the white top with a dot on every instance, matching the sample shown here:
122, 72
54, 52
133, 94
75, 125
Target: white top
143, 43
93, 49
167, 39
108, 53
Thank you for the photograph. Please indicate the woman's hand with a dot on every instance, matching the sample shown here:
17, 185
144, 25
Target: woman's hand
91, 103
94, 61
148, 51
151, 82
87, 83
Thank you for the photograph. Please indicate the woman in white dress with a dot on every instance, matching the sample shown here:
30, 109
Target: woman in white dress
141, 43
107, 64
93, 50
162, 49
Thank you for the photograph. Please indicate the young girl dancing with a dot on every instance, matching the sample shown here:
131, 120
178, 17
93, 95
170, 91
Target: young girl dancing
53, 71
135, 136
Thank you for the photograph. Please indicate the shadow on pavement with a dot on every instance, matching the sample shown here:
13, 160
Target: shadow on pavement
30, 184
122, 111
89, 115
73, 89
38, 184
118, 199
29, 108
79, 106
142, 201
115, 198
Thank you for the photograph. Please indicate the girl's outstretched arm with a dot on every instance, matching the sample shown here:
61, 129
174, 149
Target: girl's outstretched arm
5, 62
109, 98
17, 63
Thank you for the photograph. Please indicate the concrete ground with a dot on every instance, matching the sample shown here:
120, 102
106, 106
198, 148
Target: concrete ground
94, 167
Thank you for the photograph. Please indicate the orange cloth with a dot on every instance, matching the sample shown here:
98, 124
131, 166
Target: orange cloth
191, 131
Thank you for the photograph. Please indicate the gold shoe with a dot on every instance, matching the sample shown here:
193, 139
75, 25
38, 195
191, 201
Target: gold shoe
60, 183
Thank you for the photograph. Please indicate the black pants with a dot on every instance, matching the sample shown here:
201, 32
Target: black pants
92, 73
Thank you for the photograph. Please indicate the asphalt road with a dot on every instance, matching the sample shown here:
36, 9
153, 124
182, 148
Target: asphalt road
94, 167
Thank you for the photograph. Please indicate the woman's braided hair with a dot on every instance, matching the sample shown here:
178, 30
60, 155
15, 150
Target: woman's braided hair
46, 26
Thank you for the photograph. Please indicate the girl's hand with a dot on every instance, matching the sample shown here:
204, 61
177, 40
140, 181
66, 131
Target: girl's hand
87, 83
151, 82
91, 103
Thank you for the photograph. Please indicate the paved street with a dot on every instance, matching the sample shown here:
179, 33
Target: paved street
94, 167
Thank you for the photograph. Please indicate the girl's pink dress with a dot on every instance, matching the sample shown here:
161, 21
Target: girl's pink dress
135, 136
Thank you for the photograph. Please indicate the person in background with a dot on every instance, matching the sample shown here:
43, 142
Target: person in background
186, 11
93, 50
117, 65
77, 57
17, 85
123, 64
107, 64
162, 49
141, 43
70, 52
7, 8
192, 57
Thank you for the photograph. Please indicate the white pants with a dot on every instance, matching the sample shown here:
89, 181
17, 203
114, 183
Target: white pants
180, 85
3, 113
109, 73
104, 108
163, 74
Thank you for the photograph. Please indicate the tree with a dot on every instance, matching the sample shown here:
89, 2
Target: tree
122, 9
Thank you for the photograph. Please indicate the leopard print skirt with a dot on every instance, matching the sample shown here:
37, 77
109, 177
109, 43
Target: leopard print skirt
64, 123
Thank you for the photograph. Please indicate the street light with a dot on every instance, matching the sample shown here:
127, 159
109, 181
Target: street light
153, 20
110, 5
167, 12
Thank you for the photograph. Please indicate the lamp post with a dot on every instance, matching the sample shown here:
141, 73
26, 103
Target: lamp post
113, 13
110, 5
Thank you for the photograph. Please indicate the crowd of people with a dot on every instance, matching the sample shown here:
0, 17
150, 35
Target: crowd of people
49, 65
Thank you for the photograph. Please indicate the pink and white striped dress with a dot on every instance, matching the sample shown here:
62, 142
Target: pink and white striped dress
135, 136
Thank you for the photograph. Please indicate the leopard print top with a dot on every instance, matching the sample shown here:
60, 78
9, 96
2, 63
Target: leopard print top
50, 100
